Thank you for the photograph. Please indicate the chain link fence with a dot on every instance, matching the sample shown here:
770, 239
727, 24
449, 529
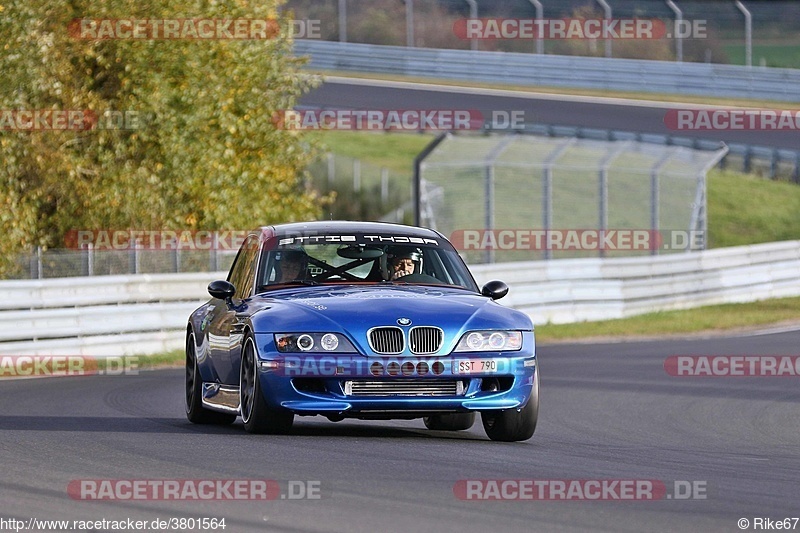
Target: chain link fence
62, 263
525, 197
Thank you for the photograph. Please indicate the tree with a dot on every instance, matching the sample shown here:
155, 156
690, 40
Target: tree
199, 150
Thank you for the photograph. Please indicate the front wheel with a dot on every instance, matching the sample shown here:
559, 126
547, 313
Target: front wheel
450, 422
513, 425
195, 411
257, 416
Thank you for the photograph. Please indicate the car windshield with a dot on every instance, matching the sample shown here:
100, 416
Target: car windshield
414, 262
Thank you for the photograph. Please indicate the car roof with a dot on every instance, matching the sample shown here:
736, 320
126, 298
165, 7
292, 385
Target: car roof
341, 226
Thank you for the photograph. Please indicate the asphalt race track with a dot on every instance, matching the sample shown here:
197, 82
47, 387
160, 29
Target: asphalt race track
608, 411
603, 113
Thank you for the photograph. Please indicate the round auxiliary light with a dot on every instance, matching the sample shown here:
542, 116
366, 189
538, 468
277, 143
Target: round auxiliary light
474, 340
376, 368
305, 342
393, 368
408, 368
422, 368
497, 340
438, 367
329, 342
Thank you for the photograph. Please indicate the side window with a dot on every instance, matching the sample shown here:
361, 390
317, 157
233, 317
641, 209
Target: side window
243, 271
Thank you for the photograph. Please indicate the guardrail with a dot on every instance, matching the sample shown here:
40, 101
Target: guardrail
574, 290
99, 316
123, 315
699, 79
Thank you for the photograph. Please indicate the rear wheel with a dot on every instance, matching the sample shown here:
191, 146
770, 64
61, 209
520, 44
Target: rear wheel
450, 422
257, 416
195, 411
514, 425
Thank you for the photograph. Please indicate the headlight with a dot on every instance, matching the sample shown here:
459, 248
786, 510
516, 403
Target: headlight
490, 341
316, 342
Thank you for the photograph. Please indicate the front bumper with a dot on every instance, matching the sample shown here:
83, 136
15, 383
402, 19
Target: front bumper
406, 386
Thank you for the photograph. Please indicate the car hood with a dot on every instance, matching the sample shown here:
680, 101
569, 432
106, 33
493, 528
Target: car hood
353, 310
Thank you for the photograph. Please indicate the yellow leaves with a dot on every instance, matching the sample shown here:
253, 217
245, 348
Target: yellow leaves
204, 151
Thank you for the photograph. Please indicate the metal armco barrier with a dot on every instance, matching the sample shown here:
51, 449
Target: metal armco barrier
697, 79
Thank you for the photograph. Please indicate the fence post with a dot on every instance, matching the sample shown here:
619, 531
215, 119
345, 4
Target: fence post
343, 21
409, 23
773, 165
416, 189
547, 189
796, 173
748, 160
655, 199
608, 15
488, 193
356, 175
677, 28
384, 185
36, 263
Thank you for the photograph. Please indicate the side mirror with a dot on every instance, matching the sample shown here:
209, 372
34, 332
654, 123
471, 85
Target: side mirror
224, 290
495, 289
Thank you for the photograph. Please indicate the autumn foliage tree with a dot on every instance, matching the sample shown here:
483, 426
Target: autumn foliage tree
200, 151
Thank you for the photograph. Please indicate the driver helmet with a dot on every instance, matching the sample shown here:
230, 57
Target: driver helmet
397, 253
291, 256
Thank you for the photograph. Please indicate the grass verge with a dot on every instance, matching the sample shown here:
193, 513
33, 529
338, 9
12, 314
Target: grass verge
395, 151
709, 319
171, 359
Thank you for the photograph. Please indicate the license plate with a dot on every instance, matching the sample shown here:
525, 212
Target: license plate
477, 366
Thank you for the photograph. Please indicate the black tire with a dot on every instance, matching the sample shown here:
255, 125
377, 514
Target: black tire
512, 425
257, 416
451, 422
195, 411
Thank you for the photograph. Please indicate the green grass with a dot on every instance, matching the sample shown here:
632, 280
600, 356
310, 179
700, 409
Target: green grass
744, 209
715, 318
395, 151
172, 359
783, 55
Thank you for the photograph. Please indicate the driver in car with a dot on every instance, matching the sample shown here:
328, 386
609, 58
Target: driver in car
404, 261
291, 266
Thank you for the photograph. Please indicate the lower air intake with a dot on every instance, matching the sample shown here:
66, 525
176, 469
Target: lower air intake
404, 387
